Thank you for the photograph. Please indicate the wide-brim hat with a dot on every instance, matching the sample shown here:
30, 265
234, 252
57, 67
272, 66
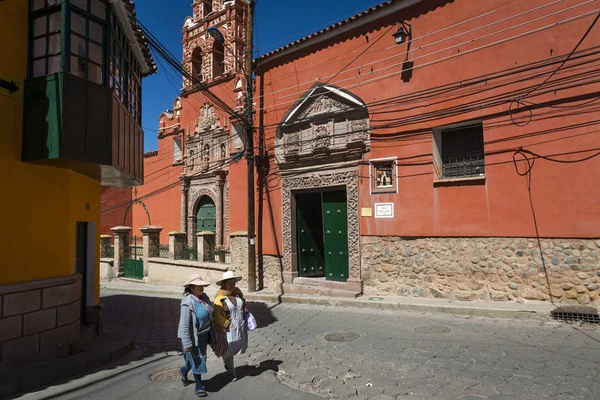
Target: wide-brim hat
227, 275
196, 280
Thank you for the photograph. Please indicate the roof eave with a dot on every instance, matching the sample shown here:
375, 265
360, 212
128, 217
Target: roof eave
372, 14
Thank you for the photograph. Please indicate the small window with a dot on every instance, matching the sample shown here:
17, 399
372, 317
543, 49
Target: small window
383, 176
459, 152
46, 44
176, 149
238, 138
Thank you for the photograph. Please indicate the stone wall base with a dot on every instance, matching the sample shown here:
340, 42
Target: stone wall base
39, 320
108, 270
176, 272
502, 269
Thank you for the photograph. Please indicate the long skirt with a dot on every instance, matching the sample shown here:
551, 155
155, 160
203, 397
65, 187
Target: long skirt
220, 344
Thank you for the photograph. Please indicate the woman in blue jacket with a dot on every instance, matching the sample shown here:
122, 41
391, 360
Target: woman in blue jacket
194, 330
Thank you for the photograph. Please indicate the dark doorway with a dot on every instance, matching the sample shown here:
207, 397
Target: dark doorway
81, 243
322, 235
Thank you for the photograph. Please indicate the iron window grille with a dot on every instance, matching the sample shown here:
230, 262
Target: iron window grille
462, 152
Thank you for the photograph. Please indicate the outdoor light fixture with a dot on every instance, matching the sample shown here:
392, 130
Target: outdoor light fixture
403, 32
216, 34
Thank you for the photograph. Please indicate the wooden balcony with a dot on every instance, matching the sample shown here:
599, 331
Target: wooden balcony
70, 122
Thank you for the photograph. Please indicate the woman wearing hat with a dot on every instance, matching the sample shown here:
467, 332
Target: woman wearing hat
230, 326
194, 330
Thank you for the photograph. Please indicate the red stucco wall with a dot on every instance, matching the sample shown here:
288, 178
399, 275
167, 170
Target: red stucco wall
564, 195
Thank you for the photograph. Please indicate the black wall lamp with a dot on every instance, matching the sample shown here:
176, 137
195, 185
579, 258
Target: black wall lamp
403, 32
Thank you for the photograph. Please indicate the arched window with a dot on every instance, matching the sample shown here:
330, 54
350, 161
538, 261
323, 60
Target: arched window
207, 7
218, 59
197, 63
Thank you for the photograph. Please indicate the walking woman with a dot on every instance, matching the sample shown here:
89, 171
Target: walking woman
230, 326
194, 329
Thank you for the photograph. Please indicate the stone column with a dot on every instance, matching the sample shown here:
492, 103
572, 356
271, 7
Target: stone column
185, 189
206, 242
151, 244
176, 242
191, 234
105, 246
121, 234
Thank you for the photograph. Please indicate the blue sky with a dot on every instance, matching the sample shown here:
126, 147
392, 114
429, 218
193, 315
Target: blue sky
277, 22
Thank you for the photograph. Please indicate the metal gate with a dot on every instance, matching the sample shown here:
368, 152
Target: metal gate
133, 267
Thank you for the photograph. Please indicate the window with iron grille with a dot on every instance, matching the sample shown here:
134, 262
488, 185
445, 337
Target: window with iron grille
459, 152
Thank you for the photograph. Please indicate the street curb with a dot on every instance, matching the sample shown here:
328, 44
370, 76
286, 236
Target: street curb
451, 309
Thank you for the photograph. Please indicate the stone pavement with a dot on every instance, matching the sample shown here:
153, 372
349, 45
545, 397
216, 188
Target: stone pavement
340, 352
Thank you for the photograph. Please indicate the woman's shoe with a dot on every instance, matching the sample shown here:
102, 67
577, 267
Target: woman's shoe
183, 376
201, 392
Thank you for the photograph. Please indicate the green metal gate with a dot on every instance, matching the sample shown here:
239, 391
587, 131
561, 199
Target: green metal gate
133, 267
322, 235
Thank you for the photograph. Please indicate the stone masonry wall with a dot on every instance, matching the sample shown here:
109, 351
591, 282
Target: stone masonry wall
499, 269
39, 319
239, 256
272, 273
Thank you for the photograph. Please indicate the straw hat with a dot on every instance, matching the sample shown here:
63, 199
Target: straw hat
196, 280
229, 275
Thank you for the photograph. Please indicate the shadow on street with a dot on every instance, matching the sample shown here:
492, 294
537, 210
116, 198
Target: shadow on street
147, 325
219, 381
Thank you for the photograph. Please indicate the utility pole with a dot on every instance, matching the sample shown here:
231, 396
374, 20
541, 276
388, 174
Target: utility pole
250, 150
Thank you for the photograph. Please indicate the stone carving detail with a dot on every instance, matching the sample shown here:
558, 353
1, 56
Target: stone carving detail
321, 136
359, 129
207, 119
292, 142
321, 105
350, 180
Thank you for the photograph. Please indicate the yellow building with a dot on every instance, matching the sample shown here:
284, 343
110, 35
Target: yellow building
70, 106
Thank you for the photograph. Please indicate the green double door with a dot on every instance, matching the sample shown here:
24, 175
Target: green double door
322, 235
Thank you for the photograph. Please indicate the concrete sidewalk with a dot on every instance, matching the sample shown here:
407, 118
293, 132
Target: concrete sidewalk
528, 310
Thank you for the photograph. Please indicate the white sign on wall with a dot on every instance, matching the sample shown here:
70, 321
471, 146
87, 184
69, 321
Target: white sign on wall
384, 210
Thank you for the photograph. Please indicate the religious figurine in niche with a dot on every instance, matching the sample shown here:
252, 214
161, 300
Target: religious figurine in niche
384, 176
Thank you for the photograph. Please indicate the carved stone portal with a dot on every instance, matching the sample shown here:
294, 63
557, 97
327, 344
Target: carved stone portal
349, 179
326, 121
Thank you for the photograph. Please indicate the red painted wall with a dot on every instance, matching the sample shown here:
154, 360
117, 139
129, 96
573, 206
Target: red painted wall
113, 204
564, 195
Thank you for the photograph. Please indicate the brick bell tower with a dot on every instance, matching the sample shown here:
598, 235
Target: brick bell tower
206, 58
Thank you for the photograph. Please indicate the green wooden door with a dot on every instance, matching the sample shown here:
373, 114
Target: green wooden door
309, 234
335, 235
206, 215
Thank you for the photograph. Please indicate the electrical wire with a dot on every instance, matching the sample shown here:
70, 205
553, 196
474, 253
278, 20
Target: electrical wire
520, 100
404, 69
443, 40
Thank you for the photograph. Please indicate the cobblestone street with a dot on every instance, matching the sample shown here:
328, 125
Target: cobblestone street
373, 354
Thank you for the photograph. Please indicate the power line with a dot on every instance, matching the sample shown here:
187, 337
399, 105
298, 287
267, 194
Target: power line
521, 35
443, 40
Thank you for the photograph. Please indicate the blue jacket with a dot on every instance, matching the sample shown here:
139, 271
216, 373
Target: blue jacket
189, 330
